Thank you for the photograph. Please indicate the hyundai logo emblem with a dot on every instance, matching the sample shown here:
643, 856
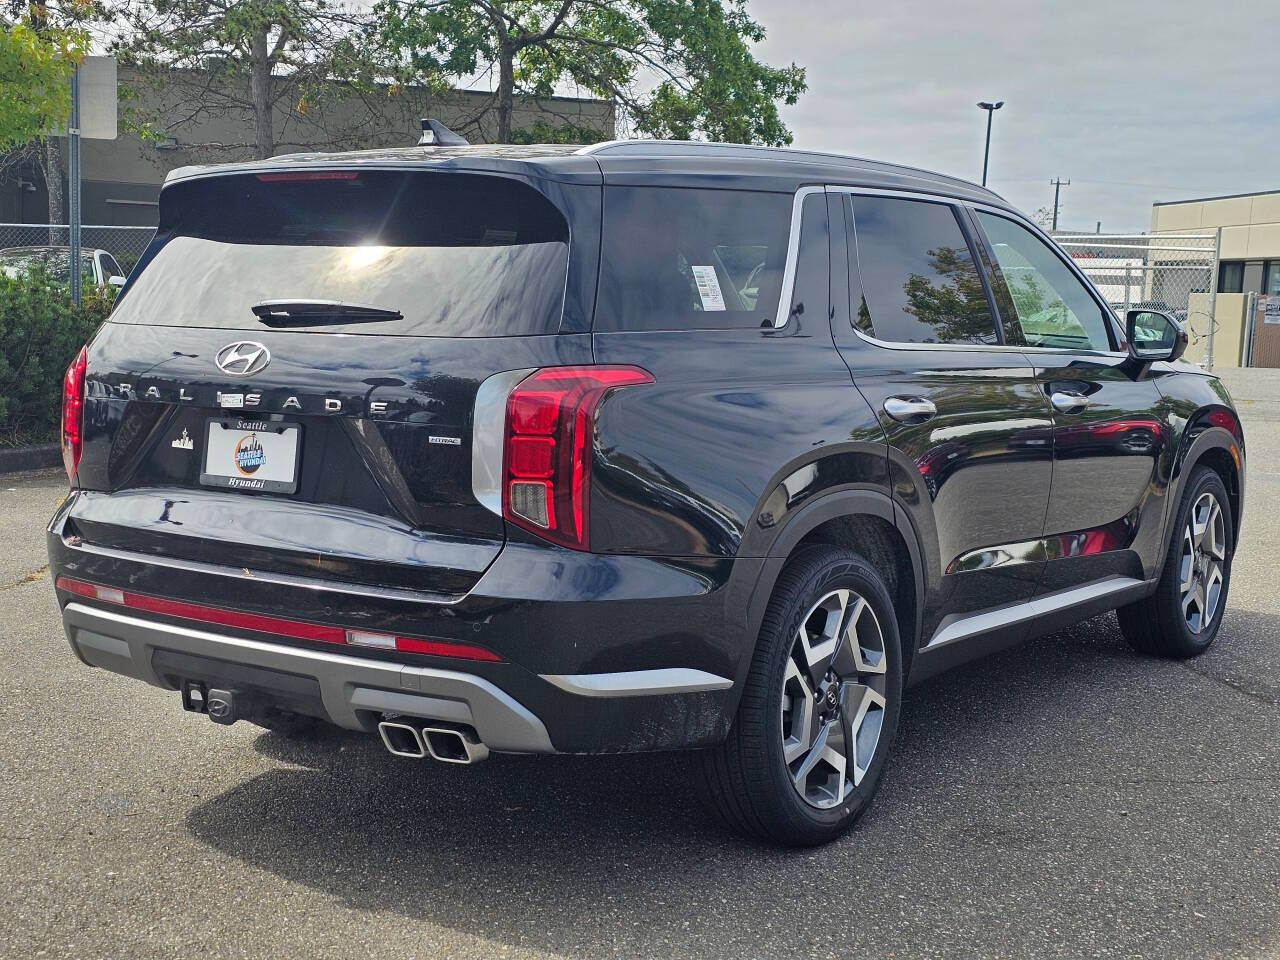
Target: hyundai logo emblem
242, 358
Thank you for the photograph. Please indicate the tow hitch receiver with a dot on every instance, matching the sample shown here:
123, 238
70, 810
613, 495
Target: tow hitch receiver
220, 705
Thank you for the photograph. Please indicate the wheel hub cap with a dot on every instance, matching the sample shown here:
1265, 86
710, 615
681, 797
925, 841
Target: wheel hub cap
1204, 555
833, 700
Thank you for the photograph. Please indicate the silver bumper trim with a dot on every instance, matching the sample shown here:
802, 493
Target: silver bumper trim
125, 644
638, 683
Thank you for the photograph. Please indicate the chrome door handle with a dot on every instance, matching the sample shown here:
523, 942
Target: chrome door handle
1068, 402
910, 409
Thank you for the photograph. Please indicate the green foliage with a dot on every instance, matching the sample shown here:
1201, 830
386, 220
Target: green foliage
679, 68
36, 60
41, 330
956, 309
542, 132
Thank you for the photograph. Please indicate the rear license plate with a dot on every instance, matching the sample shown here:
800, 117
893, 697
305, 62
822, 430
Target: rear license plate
251, 455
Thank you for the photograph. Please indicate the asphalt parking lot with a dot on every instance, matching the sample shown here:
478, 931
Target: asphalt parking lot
1068, 798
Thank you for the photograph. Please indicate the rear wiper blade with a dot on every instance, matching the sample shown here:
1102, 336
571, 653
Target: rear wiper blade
309, 313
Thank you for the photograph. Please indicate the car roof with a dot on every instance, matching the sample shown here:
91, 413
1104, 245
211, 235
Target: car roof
671, 162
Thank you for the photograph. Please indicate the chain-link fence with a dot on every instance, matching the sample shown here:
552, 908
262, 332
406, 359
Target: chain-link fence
1173, 272
124, 243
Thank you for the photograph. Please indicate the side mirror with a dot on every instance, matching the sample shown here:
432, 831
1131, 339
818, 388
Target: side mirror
115, 281
1154, 336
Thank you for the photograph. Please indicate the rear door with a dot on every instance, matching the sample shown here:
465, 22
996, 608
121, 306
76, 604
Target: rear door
1106, 508
288, 383
968, 426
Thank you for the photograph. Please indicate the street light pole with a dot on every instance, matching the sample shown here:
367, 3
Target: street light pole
991, 108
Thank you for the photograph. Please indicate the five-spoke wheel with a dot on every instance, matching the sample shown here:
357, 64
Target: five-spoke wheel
833, 698
1182, 616
819, 707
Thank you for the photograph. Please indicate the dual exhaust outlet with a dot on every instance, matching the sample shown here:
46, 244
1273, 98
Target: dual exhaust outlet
407, 737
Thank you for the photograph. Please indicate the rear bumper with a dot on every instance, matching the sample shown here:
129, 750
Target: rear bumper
353, 691
600, 654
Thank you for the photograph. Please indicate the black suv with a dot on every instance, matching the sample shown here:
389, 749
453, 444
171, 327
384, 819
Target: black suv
640, 446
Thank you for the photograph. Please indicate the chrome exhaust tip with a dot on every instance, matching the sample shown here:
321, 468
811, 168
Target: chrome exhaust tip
450, 745
402, 740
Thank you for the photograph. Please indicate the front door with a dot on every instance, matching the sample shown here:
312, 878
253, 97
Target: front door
967, 424
1106, 506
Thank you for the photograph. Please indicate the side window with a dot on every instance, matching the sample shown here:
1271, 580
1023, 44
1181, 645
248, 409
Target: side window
685, 259
1054, 309
913, 277
109, 266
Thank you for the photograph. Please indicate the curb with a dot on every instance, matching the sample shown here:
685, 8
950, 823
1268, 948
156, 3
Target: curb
19, 459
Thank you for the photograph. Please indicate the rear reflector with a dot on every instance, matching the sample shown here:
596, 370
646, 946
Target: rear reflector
280, 626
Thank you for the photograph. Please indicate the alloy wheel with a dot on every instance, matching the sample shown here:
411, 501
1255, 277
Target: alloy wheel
833, 698
1204, 553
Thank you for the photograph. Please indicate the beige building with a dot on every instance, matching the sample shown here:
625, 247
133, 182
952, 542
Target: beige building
1249, 261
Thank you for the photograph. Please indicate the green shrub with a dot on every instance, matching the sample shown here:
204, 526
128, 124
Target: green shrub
41, 331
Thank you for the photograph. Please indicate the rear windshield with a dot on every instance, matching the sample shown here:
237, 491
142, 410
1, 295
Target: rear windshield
456, 255
685, 259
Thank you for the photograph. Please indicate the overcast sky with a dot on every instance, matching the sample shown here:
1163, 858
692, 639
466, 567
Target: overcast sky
1132, 100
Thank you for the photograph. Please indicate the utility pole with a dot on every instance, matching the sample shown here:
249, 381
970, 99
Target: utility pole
1057, 185
73, 184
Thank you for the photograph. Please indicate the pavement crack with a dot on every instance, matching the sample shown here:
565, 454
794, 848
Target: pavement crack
31, 577
1265, 695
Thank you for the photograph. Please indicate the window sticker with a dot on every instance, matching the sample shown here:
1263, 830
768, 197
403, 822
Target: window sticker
708, 287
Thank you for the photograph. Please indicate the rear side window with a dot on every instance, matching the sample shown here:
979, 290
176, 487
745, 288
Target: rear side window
457, 255
913, 277
684, 259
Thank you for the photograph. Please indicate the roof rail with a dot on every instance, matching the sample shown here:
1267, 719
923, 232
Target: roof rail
436, 134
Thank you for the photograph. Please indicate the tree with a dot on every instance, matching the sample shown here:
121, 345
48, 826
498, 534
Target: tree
679, 68
238, 59
36, 61
40, 46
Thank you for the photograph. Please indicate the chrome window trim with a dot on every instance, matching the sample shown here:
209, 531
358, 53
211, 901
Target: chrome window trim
793, 255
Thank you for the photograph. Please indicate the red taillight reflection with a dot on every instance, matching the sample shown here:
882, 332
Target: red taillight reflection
73, 413
262, 623
547, 449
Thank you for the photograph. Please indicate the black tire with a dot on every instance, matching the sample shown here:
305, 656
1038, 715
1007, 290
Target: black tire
746, 780
1157, 625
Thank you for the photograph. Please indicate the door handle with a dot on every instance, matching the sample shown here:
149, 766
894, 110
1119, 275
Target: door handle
910, 409
1068, 402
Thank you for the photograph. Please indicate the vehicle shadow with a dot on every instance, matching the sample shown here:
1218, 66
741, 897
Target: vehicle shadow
1043, 800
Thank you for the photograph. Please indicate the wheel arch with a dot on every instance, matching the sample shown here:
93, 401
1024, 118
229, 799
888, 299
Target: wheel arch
1213, 439
864, 520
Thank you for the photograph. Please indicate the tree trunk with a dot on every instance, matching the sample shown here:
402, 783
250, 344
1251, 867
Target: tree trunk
51, 168
506, 92
260, 83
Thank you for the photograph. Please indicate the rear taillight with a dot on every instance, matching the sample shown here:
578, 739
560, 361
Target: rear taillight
73, 413
546, 485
